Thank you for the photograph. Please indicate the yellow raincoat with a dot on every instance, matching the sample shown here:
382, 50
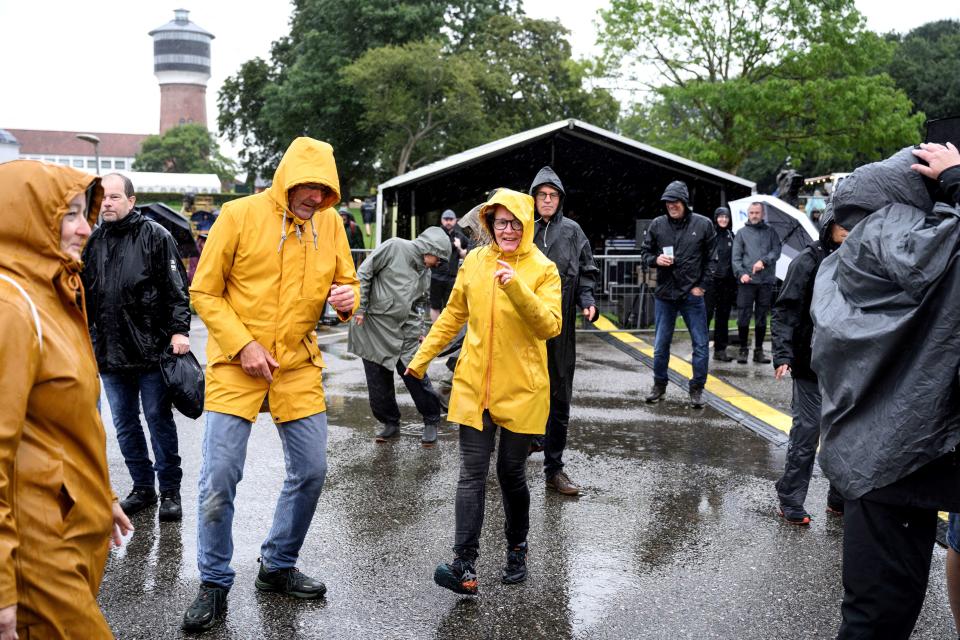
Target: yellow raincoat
503, 362
265, 275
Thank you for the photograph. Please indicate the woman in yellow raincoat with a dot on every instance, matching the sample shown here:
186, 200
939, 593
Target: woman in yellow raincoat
56, 506
508, 294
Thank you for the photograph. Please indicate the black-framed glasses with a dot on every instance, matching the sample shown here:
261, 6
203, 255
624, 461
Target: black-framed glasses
501, 223
543, 196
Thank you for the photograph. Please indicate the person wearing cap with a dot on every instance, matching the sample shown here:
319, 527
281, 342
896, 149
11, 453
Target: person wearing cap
792, 332
500, 381
679, 245
722, 290
443, 276
564, 242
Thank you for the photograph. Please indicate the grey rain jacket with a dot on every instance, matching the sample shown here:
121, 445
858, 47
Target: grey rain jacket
886, 348
756, 242
392, 279
136, 291
692, 239
564, 242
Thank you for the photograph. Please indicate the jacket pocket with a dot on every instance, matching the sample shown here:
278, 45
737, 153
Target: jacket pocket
316, 359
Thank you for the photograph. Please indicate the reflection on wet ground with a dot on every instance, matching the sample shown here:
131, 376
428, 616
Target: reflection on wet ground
675, 534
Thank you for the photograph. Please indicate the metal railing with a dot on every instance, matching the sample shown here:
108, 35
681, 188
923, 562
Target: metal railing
625, 289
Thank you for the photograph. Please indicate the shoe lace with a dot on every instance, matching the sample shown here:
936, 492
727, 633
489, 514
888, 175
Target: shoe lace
464, 569
516, 557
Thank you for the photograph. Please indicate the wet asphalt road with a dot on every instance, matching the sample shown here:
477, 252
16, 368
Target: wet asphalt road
675, 535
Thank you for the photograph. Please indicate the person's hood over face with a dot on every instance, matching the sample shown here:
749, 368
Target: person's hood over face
873, 186
34, 196
434, 241
306, 161
722, 211
677, 191
549, 177
827, 223
521, 206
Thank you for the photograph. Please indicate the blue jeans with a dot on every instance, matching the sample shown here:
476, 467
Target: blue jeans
694, 313
125, 392
953, 532
224, 452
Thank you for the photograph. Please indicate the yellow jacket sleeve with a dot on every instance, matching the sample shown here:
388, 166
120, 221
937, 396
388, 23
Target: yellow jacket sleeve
540, 309
346, 272
445, 329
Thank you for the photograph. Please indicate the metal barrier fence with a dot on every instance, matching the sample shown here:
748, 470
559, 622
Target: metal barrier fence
625, 290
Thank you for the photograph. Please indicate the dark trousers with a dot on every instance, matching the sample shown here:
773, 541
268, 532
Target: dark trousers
476, 447
886, 564
383, 397
125, 392
555, 440
719, 299
753, 299
802, 449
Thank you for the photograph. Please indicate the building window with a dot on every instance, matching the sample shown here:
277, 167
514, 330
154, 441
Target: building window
120, 164
106, 164
91, 164
50, 160
77, 162
65, 162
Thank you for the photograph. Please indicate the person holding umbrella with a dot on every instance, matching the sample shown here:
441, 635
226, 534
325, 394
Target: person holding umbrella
508, 295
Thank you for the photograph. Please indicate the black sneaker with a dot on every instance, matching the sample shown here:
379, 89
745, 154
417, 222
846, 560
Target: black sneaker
515, 571
696, 398
290, 582
459, 576
722, 355
429, 437
742, 356
138, 500
388, 432
760, 357
657, 391
170, 509
207, 608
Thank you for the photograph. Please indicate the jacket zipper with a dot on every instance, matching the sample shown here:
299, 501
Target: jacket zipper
493, 307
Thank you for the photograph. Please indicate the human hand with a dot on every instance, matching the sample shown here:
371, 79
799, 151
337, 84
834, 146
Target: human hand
697, 291
257, 362
504, 273
589, 312
781, 371
758, 266
664, 261
745, 279
121, 525
410, 372
358, 319
937, 156
8, 623
341, 298
180, 344
456, 243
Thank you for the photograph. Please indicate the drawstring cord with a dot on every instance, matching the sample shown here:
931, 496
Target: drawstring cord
316, 245
299, 231
283, 230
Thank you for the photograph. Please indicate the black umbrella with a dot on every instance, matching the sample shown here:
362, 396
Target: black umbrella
176, 224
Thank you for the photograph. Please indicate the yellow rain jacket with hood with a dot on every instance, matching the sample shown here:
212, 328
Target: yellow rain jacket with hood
55, 497
503, 362
265, 275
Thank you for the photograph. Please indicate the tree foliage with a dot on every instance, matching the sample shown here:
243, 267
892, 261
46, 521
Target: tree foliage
188, 148
768, 77
925, 65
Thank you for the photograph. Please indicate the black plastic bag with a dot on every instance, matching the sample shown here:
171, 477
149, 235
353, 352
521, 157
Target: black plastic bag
183, 376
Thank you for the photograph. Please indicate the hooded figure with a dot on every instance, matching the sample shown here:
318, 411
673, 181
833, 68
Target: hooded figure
886, 350
55, 497
271, 263
388, 329
508, 294
722, 288
564, 242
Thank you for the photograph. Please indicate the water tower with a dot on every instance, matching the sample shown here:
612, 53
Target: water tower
181, 62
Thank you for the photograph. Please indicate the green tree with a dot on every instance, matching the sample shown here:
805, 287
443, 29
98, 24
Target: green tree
768, 77
188, 148
925, 66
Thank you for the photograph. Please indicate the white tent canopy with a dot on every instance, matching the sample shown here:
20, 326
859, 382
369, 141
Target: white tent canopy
803, 231
153, 182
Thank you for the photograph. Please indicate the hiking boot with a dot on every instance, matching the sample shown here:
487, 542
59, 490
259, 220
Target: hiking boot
722, 355
388, 432
835, 509
138, 500
515, 570
207, 608
289, 582
459, 576
696, 397
170, 509
429, 437
742, 357
657, 391
760, 356
800, 518
536, 445
561, 483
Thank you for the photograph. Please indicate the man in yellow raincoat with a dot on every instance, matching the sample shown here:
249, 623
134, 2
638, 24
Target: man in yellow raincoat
270, 263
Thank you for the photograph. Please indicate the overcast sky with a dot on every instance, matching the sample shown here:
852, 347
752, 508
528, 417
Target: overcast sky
75, 65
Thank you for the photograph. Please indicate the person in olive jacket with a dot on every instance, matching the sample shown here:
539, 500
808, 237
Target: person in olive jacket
722, 290
138, 305
679, 244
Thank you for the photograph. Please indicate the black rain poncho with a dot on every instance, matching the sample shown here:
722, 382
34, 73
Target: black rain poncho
886, 347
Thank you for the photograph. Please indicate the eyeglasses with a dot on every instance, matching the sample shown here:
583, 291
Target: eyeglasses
543, 196
501, 223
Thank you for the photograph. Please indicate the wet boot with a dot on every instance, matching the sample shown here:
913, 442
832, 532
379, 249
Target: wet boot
170, 509
289, 582
742, 358
561, 483
429, 437
138, 500
696, 397
207, 608
721, 355
657, 391
459, 576
388, 432
515, 570
759, 356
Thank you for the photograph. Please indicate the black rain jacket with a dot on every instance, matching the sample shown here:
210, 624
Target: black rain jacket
756, 242
721, 256
692, 240
136, 293
447, 271
564, 242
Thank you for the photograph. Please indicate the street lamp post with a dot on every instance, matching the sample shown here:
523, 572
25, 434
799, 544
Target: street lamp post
95, 141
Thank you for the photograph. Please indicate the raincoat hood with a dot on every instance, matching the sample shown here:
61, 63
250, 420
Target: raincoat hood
521, 206
827, 222
433, 242
874, 186
34, 196
676, 191
548, 176
305, 161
